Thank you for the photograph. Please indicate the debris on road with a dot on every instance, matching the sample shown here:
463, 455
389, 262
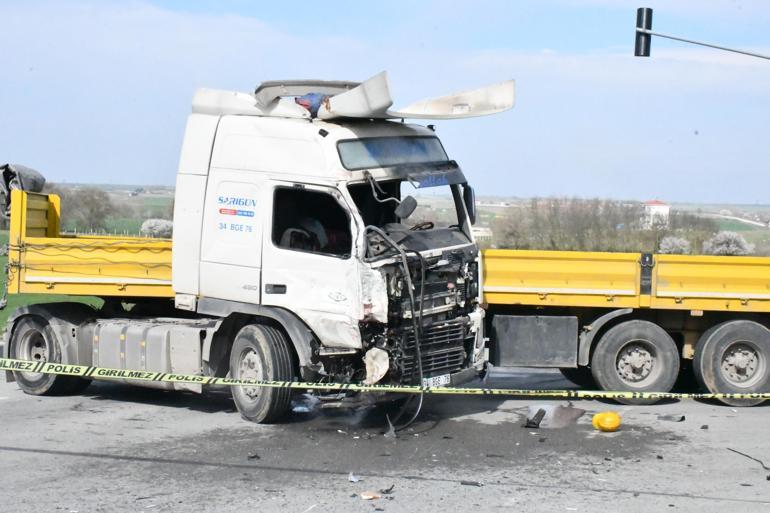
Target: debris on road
370, 496
750, 457
305, 403
472, 483
353, 478
388, 490
607, 421
552, 416
391, 432
534, 421
253, 456
704, 426
672, 418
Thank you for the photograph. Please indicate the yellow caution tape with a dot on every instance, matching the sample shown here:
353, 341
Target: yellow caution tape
103, 373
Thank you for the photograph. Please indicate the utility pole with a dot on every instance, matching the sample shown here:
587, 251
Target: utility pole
644, 35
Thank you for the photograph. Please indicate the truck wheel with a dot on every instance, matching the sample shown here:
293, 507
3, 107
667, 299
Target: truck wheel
261, 353
581, 376
732, 358
33, 339
636, 356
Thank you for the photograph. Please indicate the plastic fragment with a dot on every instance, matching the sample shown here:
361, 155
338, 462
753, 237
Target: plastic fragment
607, 421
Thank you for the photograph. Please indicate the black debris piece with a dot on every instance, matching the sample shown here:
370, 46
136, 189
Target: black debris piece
672, 418
750, 457
471, 483
534, 421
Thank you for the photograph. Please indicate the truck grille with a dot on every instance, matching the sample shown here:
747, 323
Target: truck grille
442, 347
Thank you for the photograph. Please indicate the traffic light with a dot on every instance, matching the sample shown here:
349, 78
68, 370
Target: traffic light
643, 39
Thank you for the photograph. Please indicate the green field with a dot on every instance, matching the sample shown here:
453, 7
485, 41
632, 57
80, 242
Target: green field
17, 300
731, 225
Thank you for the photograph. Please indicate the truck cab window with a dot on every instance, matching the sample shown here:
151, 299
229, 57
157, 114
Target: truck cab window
310, 221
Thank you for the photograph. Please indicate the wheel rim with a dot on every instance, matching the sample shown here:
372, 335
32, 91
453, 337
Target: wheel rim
742, 364
250, 367
33, 346
636, 363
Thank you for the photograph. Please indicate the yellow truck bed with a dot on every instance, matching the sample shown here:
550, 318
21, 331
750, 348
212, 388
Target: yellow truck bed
620, 280
42, 260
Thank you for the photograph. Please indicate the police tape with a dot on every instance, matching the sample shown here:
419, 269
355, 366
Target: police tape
104, 373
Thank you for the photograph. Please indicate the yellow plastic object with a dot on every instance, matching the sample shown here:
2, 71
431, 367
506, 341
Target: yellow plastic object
607, 421
42, 260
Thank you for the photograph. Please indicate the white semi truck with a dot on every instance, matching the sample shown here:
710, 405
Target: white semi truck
299, 252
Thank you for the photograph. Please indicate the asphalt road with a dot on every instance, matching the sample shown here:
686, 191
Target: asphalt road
119, 448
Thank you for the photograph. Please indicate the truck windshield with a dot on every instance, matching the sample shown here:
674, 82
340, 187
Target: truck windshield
374, 152
436, 205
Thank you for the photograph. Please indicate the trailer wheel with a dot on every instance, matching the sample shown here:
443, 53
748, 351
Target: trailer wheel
731, 358
33, 339
261, 353
636, 356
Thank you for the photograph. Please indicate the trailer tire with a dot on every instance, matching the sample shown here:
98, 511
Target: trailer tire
34, 339
635, 356
715, 363
261, 352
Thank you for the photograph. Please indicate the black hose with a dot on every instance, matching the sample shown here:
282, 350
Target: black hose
415, 328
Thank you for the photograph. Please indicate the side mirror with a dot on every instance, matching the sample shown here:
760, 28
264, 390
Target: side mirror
469, 198
406, 207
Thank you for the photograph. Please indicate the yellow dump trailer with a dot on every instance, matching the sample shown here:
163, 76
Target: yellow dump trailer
617, 280
43, 260
629, 321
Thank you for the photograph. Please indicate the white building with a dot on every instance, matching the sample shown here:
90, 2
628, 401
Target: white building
482, 234
656, 213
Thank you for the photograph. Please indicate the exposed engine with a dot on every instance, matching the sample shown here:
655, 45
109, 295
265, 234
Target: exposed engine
445, 289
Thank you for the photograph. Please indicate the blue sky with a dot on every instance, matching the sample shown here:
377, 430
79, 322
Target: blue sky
99, 91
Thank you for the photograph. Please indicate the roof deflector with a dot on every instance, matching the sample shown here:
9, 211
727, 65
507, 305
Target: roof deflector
268, 92
371, 99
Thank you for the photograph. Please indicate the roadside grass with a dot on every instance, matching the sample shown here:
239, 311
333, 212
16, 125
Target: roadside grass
17, 300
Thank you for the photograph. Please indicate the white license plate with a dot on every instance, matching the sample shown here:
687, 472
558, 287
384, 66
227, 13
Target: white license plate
437, 381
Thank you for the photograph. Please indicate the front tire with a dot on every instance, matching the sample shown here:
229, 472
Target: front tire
636, 356
734, 358
33, 339
261, 353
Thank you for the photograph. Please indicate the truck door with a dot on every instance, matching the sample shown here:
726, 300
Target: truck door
307, 261
231, 243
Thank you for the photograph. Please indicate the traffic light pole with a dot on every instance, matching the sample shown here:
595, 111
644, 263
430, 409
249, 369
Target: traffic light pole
643, 39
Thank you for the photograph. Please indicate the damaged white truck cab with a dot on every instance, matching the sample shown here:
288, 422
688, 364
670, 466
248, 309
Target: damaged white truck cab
300, 251
278, 210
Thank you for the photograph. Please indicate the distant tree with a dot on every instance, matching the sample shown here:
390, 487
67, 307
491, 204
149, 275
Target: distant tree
161, 228
84, 208
672, 245
727, 243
